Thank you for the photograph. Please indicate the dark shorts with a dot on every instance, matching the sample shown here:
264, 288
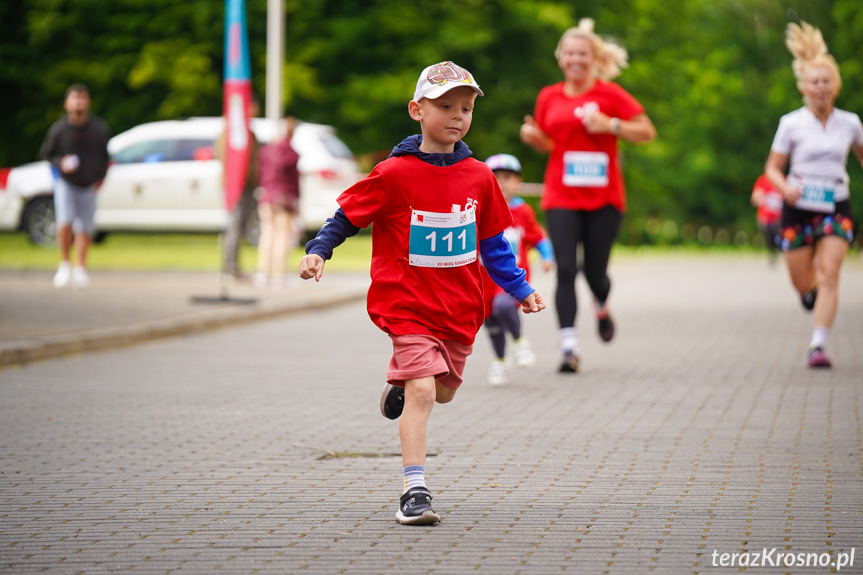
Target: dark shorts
801, 228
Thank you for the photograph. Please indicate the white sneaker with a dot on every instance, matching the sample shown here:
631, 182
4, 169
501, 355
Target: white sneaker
63, 275
259, 280
497, 373
80, 278
523, 354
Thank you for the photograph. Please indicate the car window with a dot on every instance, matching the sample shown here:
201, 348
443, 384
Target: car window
336, 147
200, 149
147, 152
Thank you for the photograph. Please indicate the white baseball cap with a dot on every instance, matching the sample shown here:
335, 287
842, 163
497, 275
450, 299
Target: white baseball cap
440, 78
504, 162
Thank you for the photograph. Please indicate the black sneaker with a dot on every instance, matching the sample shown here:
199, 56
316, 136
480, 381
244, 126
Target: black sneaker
392, 401
415, 508
808, 299
606, 328
605, 323
569, 363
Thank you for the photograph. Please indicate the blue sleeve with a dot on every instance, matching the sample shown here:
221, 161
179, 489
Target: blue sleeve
545, 250
332, 234
500, 264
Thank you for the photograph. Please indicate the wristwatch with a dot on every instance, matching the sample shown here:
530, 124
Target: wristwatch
614, 126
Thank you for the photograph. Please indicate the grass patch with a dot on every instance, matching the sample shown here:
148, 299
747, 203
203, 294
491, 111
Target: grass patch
167, 252
201, 252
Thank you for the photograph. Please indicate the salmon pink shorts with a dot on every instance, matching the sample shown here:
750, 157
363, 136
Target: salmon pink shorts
420, 355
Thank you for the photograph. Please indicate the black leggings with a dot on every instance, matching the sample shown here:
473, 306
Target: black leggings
504, 318
596, 232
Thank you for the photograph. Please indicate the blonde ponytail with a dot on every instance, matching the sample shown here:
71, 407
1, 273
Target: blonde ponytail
610, 57
807, 46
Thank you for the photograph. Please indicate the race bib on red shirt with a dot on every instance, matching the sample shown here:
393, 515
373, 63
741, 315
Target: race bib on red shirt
439, 240
585, 169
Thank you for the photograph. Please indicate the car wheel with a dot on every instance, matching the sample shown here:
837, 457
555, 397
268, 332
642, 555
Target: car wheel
39, 222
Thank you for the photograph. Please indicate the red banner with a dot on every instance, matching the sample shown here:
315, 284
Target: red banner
237, 96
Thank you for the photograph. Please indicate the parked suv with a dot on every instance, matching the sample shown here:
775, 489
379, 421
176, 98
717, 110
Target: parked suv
164, 177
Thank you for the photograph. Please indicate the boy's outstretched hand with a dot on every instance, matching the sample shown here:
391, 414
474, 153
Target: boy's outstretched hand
312, 266
532, 303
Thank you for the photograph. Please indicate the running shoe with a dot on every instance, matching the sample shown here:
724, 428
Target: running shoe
80, 278
415, 508
497, 373
63, 275
808, 299
817, 358
392, 401
605, 323
569, 363
523, 354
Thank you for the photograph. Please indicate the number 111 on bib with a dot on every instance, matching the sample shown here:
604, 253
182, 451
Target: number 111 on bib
442, 239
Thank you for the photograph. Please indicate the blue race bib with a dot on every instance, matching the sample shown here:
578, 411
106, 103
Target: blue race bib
585, 169
818, 194
442, 240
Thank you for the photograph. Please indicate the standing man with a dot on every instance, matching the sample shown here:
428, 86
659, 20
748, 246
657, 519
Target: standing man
77, 147
241, 216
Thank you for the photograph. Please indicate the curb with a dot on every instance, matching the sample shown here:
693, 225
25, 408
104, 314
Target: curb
30, 350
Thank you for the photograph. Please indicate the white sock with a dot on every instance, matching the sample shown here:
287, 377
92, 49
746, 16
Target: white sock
819, 336
568, 341
414, 476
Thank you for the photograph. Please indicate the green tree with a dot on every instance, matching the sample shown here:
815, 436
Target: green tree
713, 75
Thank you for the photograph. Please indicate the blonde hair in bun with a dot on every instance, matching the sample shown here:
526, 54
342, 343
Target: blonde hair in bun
806, 44
610, 57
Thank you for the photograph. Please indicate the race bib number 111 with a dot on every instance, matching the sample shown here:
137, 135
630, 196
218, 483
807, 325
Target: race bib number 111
442, 240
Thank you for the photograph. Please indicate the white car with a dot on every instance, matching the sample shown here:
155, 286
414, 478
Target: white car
164, 177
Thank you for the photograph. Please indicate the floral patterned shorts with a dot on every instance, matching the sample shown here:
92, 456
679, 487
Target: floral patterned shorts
801, 228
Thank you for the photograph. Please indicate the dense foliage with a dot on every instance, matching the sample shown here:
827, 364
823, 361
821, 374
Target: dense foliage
714, 76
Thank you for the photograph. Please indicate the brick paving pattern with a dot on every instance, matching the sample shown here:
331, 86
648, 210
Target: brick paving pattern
260, 449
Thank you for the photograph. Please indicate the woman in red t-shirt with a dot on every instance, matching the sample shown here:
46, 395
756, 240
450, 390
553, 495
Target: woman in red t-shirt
578, 122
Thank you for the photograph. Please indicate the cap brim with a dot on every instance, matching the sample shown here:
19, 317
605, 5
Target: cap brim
439, 91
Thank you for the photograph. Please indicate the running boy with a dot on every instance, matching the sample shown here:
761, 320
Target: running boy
433, 208
501, 315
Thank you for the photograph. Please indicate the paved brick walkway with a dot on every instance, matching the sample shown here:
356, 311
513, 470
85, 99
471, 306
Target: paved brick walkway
259, 448
39, 321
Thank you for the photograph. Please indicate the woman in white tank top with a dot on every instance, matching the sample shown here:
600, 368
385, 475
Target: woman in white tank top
817, 225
